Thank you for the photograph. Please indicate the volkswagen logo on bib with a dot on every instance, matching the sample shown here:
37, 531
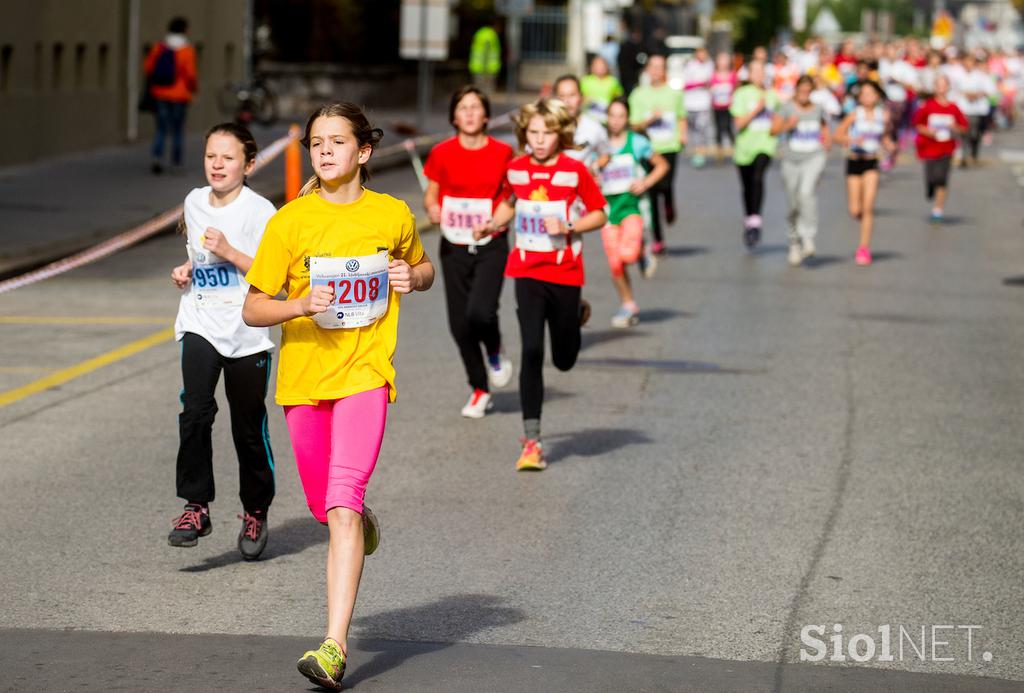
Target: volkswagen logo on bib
536, 209
352, 265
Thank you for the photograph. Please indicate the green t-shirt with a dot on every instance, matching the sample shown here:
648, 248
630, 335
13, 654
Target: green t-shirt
598, 92
664, 134
757, 137
621, 205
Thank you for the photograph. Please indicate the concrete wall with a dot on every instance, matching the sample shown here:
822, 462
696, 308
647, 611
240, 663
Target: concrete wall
64, 69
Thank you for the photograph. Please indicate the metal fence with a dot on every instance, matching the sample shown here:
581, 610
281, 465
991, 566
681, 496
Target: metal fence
544, 34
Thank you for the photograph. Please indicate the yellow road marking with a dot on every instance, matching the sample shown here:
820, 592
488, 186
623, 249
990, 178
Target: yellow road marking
65, 374
79, 320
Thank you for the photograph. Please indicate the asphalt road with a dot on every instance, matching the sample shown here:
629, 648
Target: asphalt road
771, 448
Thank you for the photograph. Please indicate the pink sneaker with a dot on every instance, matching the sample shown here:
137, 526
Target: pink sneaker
863, 256
658, 248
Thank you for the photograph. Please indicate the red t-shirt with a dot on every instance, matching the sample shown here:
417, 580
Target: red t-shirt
476, 173
939, 118
567, 180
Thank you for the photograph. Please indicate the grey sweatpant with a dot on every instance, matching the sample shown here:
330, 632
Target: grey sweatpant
800, 177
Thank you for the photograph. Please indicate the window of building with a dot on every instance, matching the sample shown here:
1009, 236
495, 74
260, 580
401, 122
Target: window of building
229, 62
56, 68
79, 66
102, 64
6, 53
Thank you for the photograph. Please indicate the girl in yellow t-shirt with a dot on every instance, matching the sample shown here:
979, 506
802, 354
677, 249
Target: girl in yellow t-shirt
344, 255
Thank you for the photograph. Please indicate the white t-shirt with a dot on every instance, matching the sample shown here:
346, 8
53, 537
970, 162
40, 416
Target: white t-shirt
211, 305
592, 138
696, 72
975, 82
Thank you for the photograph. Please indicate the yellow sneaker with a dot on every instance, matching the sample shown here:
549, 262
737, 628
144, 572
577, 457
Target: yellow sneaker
324, 666
532, 457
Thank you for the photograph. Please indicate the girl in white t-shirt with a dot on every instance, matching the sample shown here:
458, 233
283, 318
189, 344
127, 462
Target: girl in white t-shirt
223, 224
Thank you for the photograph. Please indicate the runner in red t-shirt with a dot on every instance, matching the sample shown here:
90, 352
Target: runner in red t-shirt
466, 175
547, 260
938, 122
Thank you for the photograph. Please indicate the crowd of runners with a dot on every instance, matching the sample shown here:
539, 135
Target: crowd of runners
333, 266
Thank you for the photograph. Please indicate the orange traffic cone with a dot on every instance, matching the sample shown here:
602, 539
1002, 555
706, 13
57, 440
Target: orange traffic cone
293, 165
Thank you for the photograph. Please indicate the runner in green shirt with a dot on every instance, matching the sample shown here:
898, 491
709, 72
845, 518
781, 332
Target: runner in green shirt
599, 88
658, 109
752, 109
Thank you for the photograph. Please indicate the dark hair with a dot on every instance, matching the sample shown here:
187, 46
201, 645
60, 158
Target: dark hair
623, 101
462, 93
874, 85
805, 79
366, 135
240, 133
566, 78
178, 25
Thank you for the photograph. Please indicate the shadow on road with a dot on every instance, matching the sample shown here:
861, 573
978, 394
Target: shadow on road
594, 442
662, 315
294, 536
823, 261
687, 250
508, 400
883, 255
592, 338
451, 619
768, 249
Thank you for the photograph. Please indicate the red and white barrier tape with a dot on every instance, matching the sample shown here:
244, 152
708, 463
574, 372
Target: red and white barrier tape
128, 238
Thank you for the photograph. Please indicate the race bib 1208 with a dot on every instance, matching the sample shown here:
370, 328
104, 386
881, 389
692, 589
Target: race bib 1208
360, 289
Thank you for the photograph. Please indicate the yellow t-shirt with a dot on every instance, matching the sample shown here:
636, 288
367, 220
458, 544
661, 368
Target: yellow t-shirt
321, 364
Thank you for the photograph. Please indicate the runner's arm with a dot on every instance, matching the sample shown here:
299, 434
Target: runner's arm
502, 216
842, 133
261, 310
431, 201
405, 278
659, 170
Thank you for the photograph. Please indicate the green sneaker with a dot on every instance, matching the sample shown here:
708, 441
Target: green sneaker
371, 531
324, 666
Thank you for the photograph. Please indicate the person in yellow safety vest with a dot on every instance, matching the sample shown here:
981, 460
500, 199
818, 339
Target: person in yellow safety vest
485, 57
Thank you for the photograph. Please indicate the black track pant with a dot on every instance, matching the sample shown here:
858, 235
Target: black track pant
245, 384
539, 303
723, 126
472, 286
664, 190
752, 179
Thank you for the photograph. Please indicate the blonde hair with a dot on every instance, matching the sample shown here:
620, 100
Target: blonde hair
365, 134
556, 117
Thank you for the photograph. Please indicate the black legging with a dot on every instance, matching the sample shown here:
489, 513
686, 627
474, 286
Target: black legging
664, 189
752, 179
472, 286
245, 385
972, 138
539, 303
723, 126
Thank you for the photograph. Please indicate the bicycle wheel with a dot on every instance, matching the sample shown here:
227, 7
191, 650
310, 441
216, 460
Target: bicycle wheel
263, 105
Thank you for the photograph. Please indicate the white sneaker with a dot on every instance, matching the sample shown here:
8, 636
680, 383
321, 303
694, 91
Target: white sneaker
499, 375
808, 248
479, 404
648, 263
625, 317
796, 255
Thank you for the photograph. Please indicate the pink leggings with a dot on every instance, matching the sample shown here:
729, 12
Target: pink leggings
336, 444
622, 243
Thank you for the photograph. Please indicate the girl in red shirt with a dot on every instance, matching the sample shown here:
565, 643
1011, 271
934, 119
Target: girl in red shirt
466, 175
938, 122
547, 260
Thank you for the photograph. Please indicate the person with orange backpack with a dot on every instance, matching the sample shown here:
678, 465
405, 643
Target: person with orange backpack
170, 69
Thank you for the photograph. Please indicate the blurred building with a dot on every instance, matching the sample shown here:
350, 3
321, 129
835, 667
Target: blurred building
70, 70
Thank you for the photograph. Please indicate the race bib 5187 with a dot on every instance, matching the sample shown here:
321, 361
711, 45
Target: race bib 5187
459, 214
